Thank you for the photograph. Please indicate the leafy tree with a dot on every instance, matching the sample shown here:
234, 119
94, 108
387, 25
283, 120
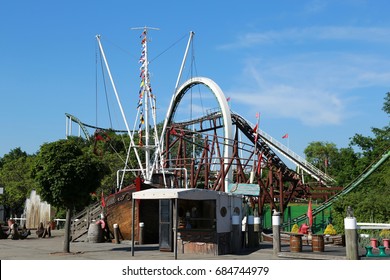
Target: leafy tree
113, 152
321, 155
371, 199
67, 172
344, 166
12, 155
15, 168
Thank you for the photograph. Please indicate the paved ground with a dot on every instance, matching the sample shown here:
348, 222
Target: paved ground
34, 248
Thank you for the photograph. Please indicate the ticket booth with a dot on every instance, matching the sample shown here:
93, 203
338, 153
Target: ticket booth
196, 220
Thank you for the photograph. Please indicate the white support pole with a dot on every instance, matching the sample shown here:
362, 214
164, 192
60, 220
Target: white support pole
66, 127
276, 233
177, 84
351, 238
184, 59
119, 102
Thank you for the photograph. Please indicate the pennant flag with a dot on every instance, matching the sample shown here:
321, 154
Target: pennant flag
228, 99
173, 131
310, 214
285, 136
255, 132
103, 200
257, 115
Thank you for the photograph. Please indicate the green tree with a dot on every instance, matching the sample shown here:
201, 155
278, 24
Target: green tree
113, 152
67, 172
321, 155
370, 200
15, 169
344, 166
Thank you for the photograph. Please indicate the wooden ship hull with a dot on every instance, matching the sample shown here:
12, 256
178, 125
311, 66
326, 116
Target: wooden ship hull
119, 211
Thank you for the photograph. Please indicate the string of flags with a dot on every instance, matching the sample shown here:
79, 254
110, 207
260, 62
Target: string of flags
144, 85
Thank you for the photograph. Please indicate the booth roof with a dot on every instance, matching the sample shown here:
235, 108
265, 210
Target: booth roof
190, 194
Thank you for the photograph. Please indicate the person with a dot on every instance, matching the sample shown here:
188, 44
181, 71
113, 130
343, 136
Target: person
43, 231
40, 231
15, 232
105, 229
47, 230
25, 232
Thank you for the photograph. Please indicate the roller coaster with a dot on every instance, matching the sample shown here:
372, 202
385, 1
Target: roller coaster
278, 184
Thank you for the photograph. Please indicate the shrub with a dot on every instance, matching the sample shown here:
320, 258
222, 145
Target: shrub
295, 228
330, 230
385, 233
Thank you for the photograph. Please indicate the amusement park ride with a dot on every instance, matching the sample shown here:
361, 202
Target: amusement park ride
218, 150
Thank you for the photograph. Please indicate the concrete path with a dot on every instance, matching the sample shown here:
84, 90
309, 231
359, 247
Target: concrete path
34, 248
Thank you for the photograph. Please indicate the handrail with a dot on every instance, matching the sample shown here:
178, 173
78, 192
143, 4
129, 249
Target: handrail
356, 182
372, 226
292, 156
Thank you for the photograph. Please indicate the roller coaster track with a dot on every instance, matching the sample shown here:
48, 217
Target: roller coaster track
83, 126
289, 154
351, 186
247, 130
265, 142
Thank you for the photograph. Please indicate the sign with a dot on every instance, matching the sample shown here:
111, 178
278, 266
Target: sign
244, 189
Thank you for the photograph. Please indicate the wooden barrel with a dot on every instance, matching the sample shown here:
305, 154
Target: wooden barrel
317, 243
295, 243
95, 233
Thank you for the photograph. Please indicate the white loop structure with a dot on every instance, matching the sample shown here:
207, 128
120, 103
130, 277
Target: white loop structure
225, 110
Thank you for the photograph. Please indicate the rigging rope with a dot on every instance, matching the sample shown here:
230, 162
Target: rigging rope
171, 46
105, 90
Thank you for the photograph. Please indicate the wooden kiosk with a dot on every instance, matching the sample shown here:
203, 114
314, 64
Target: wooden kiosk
195, 220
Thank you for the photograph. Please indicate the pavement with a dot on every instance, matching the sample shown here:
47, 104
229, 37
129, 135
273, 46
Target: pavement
34, 248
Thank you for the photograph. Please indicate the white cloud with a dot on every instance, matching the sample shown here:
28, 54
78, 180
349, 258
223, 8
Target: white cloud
315, 33
315, 88
312, 108
314, 7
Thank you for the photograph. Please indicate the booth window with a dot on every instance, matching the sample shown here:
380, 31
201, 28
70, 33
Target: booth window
197, 214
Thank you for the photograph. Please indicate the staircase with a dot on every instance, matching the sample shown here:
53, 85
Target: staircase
81, 221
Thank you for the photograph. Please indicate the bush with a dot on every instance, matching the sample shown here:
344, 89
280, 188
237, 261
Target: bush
385, 233
330, 230
295, 228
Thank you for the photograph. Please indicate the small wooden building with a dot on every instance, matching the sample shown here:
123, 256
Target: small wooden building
195, 220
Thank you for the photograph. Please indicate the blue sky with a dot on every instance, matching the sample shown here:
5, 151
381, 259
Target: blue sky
317, 70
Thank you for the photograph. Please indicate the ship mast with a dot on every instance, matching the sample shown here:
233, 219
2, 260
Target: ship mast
146, 100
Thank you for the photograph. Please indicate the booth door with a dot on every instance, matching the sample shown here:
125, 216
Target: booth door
166, 225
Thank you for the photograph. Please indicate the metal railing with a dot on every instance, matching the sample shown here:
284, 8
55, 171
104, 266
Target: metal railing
294, 157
